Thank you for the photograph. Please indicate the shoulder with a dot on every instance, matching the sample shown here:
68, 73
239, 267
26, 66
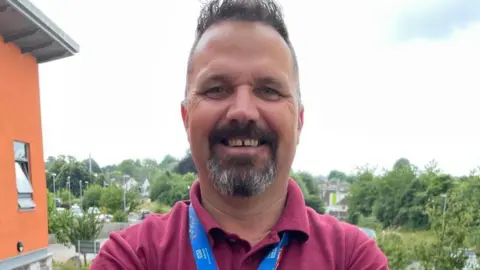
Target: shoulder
135, 246
353, 246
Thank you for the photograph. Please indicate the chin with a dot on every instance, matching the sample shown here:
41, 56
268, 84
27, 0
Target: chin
241, 180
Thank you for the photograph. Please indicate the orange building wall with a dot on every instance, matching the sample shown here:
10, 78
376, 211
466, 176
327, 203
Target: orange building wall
20, 120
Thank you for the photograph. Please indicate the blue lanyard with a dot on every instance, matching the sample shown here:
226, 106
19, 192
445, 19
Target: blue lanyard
203, 254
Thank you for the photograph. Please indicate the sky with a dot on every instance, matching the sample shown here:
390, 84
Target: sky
380, 80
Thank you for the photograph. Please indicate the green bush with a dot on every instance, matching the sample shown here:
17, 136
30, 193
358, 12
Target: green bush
67, 266
160, 208
369, 222
315, 203
392, 244
69, 229
170, 188
120, 216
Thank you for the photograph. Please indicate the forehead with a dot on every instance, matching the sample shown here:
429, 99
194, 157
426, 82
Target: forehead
242, 47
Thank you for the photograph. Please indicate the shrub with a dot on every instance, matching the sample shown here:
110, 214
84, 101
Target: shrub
120, 216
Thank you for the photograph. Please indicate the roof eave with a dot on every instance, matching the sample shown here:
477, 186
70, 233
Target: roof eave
45, 24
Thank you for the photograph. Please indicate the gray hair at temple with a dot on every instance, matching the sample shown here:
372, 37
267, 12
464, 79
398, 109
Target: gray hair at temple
265, 11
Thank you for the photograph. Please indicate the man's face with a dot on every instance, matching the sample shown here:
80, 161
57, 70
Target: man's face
241, 112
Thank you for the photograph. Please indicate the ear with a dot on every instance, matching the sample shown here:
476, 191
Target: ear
184, 112
299, 123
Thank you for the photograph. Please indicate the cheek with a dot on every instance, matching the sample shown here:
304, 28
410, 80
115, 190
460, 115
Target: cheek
284, 123
201, 122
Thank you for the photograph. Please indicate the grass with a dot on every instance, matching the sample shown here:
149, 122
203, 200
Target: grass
155, 207
67, 266
414, 236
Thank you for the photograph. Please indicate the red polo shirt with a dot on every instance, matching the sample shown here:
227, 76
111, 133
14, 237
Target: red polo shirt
161, 242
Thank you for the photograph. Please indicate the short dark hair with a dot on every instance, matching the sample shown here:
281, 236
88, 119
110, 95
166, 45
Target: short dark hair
264, 11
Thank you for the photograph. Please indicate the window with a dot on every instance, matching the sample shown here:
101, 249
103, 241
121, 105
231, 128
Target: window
22, 176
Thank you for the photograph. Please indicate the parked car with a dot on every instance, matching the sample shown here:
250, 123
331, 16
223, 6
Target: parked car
108, 218
96, 212
144, 214
76, 210
58, 202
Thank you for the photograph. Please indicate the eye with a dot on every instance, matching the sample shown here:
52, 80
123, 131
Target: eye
268, 93
216, 92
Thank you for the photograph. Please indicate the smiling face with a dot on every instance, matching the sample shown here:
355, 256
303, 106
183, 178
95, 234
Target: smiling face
241, 112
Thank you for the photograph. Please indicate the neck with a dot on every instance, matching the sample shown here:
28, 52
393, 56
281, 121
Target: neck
249, 218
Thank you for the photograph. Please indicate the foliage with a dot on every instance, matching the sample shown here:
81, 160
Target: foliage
92, 196
50, 211
315, 203
120, 216
67, 169
69, 228
369, 222
186, 165
404, 204
65, 197
112, 199
394, 247
398, 196
160, 209
169, 188
67, 266
309, 186
336, 174
408, 198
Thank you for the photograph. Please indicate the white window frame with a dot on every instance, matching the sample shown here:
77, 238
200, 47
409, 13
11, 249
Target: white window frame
23, 180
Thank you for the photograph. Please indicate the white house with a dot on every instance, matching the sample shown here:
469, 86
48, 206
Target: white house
145, 188
130, 184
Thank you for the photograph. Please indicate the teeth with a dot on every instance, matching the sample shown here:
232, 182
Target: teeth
246, 142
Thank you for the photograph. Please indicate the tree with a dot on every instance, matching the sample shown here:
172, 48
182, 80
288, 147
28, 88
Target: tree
395, 248
336, 174
92, 196
362, 197
65, 197
402, 163
170, 188
132, 200
50, 211
95, 167
67, 169
299, 180
315, 203
128, 167
310, 183
71, 228
112, 199
186, 165
168, 163
451, 220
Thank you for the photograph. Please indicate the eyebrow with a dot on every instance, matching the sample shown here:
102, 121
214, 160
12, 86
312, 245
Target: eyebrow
263, 80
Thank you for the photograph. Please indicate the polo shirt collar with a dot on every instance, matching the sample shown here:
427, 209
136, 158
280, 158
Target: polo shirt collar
294, 217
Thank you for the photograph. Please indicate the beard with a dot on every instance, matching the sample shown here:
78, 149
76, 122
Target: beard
241, 175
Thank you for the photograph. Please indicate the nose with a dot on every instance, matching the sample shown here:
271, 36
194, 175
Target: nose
243, 108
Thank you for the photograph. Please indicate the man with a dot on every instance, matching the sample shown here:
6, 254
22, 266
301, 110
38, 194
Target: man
243, 116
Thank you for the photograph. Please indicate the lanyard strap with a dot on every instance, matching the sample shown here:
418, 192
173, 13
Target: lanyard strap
203, 254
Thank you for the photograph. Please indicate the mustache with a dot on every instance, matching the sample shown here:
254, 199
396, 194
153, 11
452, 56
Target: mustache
248, 130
